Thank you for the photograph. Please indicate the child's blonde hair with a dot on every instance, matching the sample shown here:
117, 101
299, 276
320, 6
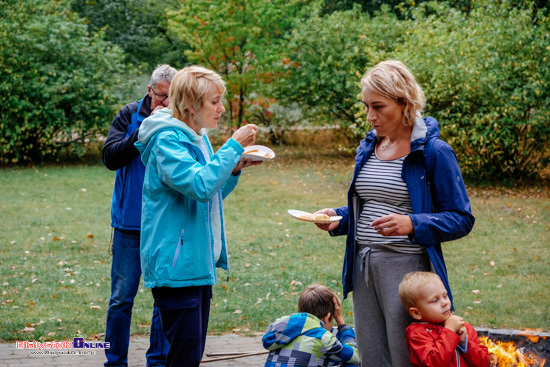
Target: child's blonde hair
317, 300
408, 288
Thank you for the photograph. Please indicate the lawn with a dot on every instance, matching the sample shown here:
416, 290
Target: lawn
55, 261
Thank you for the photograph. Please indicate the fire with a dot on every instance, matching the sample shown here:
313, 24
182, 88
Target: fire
506, 354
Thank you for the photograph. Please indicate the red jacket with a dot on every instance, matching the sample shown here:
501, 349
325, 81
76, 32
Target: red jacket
433, 345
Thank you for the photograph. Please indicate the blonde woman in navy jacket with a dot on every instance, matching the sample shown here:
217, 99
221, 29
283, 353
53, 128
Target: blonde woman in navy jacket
182, 225
407, 196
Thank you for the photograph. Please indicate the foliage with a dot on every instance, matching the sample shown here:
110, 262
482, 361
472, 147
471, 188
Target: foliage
59, 84
139, 27
323, 56
486, 78
55, 261
399, 7
238, 39
328, 55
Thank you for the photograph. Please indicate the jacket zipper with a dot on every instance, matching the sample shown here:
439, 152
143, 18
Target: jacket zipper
180, 242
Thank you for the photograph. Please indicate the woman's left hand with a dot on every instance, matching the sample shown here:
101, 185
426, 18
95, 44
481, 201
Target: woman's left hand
393, 225
243, 163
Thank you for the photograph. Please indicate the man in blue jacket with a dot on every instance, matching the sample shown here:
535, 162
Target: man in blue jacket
120, 154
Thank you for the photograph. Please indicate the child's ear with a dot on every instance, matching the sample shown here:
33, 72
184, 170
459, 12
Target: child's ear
415, 313
327, 318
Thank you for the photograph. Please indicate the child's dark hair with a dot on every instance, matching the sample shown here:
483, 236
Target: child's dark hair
316, 299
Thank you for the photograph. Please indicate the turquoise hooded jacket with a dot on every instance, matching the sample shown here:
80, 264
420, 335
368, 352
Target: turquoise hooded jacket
182, 226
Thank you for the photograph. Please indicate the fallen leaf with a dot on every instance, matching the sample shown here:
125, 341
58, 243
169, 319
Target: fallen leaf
492, 262
475, 291
238, 311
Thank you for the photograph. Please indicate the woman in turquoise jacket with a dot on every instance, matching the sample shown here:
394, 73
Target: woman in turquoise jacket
182, 227
407, 196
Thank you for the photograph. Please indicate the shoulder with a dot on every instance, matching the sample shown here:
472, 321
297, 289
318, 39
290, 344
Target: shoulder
130, 108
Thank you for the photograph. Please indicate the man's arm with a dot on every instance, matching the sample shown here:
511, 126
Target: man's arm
119, 149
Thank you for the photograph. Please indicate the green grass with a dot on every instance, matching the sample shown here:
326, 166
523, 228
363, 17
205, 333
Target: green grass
55, 261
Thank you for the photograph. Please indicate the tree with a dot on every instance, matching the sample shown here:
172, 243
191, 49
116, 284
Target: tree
60, 85
328, 55
137, 26
240, 40
487, 80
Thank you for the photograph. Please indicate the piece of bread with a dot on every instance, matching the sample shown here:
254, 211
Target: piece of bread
319, 217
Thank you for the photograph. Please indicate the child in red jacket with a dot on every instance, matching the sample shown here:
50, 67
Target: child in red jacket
438, 338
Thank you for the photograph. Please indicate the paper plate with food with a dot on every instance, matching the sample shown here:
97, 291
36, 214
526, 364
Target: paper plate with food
258, 153
314, 218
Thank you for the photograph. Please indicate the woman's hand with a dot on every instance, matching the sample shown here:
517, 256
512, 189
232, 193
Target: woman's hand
246, 135
327, 226
393, 225
243, 163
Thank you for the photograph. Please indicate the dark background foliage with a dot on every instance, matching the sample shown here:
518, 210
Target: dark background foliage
67, 66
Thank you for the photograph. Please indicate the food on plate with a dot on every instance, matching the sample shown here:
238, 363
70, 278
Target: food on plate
258, 153
321, 217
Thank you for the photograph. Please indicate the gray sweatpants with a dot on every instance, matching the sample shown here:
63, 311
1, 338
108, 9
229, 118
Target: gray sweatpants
380, 319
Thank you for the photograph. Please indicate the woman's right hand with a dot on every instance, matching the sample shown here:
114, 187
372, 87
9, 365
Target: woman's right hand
327, 226
246, 135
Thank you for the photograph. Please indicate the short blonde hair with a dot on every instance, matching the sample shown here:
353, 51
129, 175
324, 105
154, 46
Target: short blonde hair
190, 86
391, 79
408, 288
316, 299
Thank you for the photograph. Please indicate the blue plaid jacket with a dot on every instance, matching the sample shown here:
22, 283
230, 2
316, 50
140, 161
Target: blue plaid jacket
300, 340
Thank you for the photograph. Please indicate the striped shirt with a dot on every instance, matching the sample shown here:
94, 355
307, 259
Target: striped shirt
382, 192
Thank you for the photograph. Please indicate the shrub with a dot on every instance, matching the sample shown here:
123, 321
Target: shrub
486, 76
59, 86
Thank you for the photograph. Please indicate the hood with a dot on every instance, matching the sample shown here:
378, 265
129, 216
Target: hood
286, 329
162, 120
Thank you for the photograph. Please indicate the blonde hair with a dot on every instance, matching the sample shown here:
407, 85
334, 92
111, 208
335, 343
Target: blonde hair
391, 79
316, 299
189, 87
408, 288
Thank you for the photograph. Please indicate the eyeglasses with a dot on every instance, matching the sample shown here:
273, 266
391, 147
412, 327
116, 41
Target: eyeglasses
162, 97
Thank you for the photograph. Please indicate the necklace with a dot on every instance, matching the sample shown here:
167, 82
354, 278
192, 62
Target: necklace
386, 143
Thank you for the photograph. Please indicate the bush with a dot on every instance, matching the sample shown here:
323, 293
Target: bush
60, 86
486, 76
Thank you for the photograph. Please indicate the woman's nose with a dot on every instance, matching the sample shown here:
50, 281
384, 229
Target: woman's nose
371, 116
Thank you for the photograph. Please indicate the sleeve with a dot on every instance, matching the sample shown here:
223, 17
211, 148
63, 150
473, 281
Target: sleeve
180, 170
453, 216
341, 348
119, 150
429, 352
477, 355
342, 228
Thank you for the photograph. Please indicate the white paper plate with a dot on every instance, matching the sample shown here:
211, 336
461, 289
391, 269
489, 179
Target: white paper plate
258, 153
299, 214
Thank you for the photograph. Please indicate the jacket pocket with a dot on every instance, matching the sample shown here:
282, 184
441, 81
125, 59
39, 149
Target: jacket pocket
178, 248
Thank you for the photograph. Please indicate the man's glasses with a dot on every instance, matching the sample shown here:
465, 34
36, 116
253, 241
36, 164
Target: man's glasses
162, 97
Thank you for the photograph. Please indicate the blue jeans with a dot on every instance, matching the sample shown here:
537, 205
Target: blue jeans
125, 278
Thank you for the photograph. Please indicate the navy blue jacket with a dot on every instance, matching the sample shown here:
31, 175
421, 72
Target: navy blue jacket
446, 218
120, 154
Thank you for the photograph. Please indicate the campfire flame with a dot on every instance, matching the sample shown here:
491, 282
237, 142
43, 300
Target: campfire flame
506, 354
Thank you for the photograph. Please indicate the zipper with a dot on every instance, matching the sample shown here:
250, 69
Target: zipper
180, 242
